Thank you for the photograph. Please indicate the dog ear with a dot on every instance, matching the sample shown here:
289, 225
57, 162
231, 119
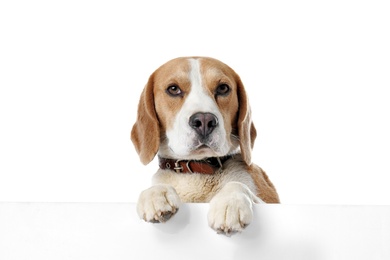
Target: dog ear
145, 133
246, 129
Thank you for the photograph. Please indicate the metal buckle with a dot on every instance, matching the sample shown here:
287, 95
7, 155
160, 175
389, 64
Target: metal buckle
177, 167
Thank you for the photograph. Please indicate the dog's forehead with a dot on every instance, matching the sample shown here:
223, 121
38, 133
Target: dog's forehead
180, 68
212, 66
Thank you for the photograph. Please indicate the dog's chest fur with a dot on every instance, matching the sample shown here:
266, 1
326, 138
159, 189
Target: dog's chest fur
202, 187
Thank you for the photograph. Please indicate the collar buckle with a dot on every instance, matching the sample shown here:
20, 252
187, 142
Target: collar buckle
178, 168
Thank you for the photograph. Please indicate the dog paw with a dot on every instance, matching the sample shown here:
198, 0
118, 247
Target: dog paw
158, 203
231, 209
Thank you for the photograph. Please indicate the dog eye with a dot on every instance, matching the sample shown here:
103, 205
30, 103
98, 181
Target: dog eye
222, 89
174, 91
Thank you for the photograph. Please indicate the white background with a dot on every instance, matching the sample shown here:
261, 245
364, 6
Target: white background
71, 72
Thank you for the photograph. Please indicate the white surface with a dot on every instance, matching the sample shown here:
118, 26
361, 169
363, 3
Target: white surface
113, 231
71, 73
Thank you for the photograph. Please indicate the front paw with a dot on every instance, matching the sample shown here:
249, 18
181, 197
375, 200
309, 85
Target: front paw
158, 203
231, 209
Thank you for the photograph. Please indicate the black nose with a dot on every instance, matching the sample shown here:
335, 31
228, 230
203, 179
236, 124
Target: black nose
203, 123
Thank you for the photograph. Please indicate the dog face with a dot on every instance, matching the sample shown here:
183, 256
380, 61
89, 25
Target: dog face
197, 107
193, 108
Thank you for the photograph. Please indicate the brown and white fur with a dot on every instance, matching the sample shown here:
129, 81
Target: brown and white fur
174, 93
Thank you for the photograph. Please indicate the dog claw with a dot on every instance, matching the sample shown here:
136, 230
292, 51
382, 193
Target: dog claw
226, 231
162, 217
165, 216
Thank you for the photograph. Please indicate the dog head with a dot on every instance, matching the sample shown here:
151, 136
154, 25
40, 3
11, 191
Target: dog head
193, 108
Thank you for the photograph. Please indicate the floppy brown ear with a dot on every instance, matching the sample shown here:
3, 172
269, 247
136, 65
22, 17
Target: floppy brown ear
145, 134
246, 129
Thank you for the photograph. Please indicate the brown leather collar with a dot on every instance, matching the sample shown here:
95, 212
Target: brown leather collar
207, 166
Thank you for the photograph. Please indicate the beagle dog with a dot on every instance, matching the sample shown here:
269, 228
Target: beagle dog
194, 113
